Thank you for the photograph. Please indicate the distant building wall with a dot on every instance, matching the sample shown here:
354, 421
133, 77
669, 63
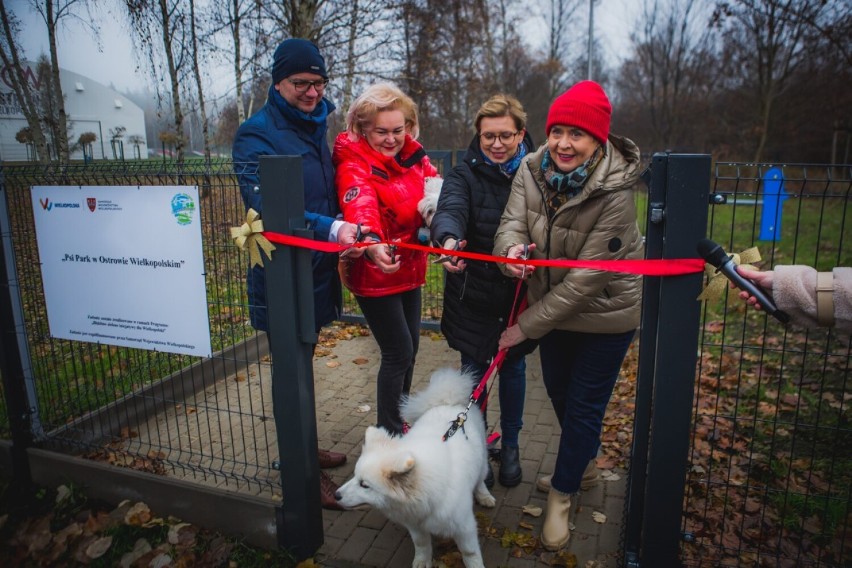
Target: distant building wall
91, 107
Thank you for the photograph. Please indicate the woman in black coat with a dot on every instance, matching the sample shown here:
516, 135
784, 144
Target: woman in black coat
477, 296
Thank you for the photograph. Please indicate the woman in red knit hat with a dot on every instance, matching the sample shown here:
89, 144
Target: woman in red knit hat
573, 199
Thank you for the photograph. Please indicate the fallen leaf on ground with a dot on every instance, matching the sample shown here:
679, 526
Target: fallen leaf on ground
532, 510
62, 493
361, 361
333, 364
598, 517
99, 547
561, 558
608, 475
140, 549
364, 408
137, 515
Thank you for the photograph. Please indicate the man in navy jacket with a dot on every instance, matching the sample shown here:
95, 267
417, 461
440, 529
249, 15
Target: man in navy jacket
293, 122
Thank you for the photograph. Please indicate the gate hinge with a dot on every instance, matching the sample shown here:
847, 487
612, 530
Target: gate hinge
658, 211
631, 560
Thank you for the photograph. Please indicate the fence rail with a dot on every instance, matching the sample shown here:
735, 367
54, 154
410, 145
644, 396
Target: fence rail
767, 473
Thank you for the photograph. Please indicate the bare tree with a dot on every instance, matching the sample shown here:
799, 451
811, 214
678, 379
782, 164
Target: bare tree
163, 19
767, 38
560, 44
53, 12
668, 69
196, 68
10, 53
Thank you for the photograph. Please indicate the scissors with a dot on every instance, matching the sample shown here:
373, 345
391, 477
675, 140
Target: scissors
524, 256
446, 257
359, 237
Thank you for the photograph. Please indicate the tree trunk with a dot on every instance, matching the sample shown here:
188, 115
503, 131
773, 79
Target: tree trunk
165, 20
350, 58
205, 131
238, 72
21, 87
60, 124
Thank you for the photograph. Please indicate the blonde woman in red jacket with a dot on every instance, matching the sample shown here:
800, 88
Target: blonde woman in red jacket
379, 173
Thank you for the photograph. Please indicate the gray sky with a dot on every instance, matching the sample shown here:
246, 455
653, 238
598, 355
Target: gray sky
114, 62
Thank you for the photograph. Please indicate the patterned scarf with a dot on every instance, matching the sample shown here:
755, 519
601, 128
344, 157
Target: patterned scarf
563, 186
509, 167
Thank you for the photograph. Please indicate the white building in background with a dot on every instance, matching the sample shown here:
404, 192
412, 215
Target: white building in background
91, 107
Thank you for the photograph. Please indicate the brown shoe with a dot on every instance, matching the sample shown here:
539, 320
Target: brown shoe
327, 490
329, 459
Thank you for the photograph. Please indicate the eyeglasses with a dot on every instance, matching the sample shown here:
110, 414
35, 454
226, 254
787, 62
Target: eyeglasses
490, 137
302, 86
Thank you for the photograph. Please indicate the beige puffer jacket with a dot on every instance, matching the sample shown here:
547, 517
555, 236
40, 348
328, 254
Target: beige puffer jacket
598, 224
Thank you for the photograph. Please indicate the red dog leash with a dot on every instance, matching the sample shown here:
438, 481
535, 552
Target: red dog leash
495, 365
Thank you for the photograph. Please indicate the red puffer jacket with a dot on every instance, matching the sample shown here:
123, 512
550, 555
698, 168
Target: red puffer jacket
382, 193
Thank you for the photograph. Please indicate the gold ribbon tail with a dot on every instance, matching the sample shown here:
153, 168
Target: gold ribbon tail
249, 237
717, 282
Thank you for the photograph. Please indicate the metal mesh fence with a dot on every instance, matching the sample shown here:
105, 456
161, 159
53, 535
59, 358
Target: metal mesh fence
150, 410
769, 476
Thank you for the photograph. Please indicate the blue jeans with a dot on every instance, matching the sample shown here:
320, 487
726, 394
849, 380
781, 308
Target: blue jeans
395, 323
579, 372
512, 389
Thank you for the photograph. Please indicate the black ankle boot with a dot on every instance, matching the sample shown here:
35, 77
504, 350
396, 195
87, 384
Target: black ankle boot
510, 467
489, 479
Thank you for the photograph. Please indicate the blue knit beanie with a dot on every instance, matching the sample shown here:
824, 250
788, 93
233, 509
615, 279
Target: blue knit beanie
297, 56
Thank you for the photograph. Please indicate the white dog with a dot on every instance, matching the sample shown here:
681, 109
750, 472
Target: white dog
429, 203
419, 480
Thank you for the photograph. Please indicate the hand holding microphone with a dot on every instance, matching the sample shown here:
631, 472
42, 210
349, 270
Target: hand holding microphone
716, 256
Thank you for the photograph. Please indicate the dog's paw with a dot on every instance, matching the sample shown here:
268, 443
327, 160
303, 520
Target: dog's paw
421, 563
486, 499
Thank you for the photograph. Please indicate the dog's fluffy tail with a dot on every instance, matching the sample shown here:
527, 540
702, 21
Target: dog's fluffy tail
447, 387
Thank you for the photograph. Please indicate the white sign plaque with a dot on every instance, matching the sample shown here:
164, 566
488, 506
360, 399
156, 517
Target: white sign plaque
124, 266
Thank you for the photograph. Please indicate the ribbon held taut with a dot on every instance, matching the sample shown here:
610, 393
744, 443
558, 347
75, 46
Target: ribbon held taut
646, 267
249, 237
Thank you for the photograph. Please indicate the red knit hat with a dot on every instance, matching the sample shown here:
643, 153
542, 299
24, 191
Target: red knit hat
586, 106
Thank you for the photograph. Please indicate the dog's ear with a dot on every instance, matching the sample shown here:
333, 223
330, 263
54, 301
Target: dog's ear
402, 464
374, 435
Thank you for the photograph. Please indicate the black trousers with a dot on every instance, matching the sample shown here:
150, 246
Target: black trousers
395, 323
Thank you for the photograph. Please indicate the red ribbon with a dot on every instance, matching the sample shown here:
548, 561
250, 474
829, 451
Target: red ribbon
645, 267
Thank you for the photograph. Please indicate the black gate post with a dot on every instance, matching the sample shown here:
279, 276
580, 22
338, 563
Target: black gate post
290, 301
11, 360
677, 209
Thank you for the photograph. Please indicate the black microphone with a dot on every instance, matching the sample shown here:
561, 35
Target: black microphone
716, 256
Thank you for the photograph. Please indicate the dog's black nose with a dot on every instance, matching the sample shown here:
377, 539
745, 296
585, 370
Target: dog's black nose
337, 495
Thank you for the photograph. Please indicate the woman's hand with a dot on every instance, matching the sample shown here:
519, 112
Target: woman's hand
382, 256
520, 270
511, 336
455, 264
348, 235
763, 279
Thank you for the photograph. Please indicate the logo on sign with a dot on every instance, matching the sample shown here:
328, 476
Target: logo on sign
183, 207
45, 204
92, 203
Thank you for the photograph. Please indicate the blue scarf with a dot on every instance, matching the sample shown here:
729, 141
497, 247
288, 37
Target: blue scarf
509, 167
314, 123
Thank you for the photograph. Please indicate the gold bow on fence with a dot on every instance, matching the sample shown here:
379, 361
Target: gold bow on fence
249, 236
717, 281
